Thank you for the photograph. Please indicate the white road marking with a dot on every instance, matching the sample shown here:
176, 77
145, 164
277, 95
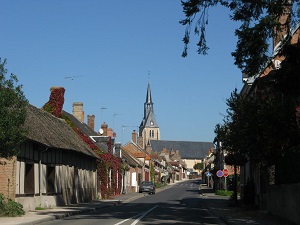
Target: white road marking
141, 215
144, 214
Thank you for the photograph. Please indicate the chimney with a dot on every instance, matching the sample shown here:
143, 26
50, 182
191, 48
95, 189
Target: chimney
104, 127
56, 101
134, 139
91, 121
78, 111
141, 142
110, 132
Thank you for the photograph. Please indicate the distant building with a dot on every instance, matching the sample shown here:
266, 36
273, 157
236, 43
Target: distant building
191, 152
148, 129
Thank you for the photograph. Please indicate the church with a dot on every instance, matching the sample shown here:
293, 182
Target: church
191, 152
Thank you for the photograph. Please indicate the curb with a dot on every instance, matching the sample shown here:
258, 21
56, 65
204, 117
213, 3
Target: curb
69, 214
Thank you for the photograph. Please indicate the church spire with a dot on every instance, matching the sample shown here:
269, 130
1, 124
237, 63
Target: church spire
148, 96
149, 129
148, 105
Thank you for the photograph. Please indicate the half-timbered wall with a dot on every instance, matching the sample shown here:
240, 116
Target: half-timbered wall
48, 177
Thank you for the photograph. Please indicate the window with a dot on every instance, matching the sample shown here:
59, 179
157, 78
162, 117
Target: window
50, 179
151, 134
29, 179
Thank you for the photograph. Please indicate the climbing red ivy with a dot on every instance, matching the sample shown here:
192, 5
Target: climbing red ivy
109, 174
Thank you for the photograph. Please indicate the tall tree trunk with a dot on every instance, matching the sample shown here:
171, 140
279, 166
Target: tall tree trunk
235, 192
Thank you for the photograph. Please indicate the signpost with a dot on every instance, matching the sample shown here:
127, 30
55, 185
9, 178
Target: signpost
225, 172
219, 173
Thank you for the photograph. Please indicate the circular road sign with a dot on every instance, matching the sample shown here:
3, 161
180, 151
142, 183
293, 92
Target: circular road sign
225, 172
220, 173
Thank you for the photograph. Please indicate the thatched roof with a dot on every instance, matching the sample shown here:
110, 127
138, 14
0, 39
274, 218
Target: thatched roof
53, 132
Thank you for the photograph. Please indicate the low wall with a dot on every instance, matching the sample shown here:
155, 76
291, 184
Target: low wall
284, 201
30, 203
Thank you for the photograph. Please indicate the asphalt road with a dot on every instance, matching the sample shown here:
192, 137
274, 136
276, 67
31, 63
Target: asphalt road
180, 204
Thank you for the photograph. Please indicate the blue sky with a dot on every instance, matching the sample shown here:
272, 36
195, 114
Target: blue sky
112, 49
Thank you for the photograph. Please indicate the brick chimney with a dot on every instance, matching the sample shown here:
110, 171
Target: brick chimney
78, 111
91, 121
104, 127
141, 142
56, 101
134, 136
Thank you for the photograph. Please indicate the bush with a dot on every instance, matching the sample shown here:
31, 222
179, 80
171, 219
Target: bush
10, 208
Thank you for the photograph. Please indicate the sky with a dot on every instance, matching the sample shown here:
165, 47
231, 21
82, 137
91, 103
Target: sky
104, 53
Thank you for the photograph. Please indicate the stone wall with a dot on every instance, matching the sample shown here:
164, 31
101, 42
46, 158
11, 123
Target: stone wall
284, 201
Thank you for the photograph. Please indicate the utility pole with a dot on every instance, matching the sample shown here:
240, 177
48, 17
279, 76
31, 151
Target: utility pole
101, 114
123, 131
114, 115
72, 78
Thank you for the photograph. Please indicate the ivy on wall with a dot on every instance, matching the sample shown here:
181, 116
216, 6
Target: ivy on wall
109, 166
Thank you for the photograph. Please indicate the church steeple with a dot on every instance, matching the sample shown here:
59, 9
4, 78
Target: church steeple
149, 129
148, 105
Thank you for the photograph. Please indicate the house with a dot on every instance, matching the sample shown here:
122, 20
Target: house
283, 198
191, 152
142, 157
133, 170
54, 167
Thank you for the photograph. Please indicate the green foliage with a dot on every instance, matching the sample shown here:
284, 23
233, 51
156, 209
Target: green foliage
257, 21
152, 172
10, 208
158, 185
199, 167
263, 127
12, 112
224, 193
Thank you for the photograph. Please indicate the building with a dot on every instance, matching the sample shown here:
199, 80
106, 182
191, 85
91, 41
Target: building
148, 129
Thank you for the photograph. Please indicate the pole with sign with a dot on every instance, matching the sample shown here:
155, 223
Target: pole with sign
225, 174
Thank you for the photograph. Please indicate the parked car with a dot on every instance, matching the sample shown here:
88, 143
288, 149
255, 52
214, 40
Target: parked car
147, 186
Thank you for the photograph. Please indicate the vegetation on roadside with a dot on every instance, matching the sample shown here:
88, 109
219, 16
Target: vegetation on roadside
10, 208
224, 193
12, 112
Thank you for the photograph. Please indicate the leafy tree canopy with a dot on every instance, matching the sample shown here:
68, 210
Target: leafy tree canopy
198, 166
265, 126
12, 112
257, 18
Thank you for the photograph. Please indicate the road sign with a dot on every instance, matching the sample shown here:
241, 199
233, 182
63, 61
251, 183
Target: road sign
225, 172
208, 174
219, 173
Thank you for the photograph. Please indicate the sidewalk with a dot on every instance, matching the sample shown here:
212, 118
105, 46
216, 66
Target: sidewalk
218, 206
230, 214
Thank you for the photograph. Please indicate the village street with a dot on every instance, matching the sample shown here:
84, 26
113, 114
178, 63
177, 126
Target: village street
179, 203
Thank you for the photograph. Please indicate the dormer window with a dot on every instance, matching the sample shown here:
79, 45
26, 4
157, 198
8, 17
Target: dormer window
151, 123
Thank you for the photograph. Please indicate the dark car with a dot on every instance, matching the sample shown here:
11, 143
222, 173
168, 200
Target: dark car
147, 186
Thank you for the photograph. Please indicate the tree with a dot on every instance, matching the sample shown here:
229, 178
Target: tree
12, 112
199, 167
265, 126
258, 19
